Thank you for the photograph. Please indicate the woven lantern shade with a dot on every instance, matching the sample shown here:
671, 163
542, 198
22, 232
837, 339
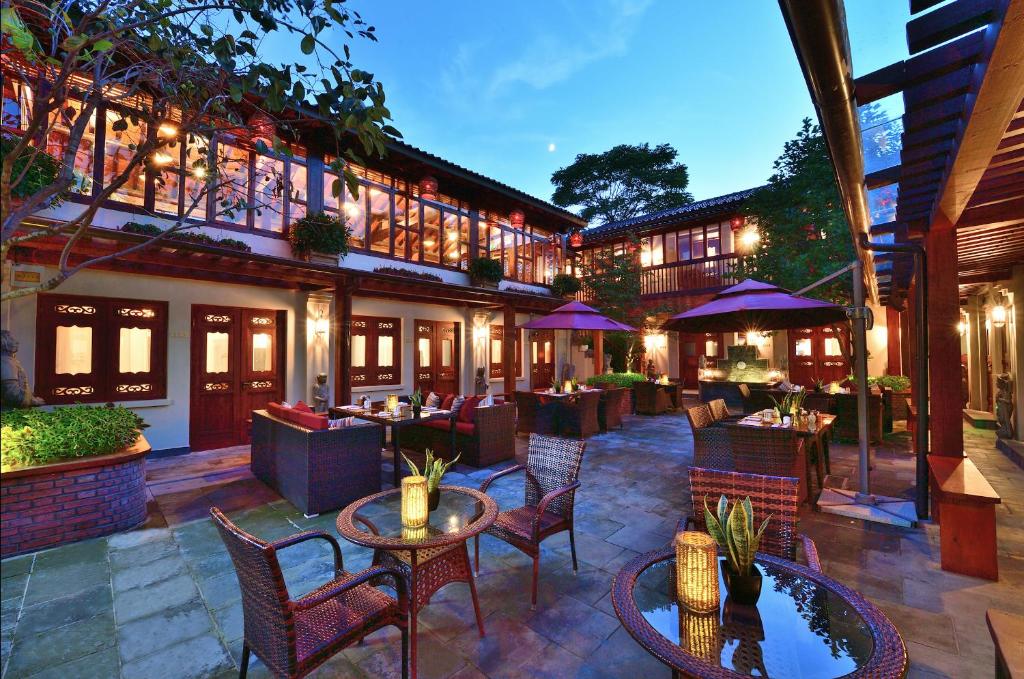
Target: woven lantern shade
414, 501
391, 403
697, 571
700, 634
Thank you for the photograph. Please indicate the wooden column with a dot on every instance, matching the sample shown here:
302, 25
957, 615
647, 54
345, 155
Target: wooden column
894, 340
343, 327
946, 416
508, 350
599, 353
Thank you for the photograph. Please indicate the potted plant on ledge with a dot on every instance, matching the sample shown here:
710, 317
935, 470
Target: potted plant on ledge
319, 238
565, 285
485, 272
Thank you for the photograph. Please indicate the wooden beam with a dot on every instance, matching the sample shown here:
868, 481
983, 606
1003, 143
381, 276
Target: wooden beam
993, 213
997, 100
945, 86
508, 350
946, 23
343, 330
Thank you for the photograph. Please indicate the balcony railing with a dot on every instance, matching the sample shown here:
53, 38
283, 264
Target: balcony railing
682, 277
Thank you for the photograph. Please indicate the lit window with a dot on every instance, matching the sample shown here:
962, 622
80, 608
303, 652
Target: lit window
495, 351
711, 348
269, 195
358, 351
431, 234
385, 351
548, 353
380, 221
118, 153
74, 350
832, 347
423, 347
262, 354
217, 351
297, 191
135, 350
60, 136
802, 347
233, 194
447, 352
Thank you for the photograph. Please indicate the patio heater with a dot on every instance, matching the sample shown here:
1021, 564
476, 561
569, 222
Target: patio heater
862, 503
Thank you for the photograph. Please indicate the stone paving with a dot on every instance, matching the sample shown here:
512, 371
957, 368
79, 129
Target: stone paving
163, 601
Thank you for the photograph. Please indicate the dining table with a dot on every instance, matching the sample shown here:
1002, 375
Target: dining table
430, 556
804, 624
815, 435
395, 423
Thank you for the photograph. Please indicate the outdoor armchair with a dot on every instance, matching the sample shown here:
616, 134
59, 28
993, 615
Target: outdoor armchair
536, 413
295, 636
609, 410
777, 496
579, 414
720, 411
774, 451
552, 478
711, 447
651, 398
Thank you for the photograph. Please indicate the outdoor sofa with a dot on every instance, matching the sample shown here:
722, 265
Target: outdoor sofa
484, 435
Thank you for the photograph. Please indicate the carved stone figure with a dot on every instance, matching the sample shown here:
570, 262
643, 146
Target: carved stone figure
1004, 406
480, 385
652, 372
321, 394
16, 392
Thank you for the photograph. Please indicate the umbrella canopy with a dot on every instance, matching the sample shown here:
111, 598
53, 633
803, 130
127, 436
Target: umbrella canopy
753, 305
576, 316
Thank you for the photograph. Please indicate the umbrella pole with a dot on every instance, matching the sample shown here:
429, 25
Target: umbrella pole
860, 367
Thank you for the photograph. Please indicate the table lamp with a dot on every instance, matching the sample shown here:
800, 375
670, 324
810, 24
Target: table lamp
414, 501
391, 403
697, 571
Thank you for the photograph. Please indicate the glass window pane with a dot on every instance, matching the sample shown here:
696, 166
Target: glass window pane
832, 347
380, 221
297, 190
74, 350
355, 216
167, 179
698, 243
217, 352
671, 254
451, 238
118, 154
464, 227
401, 238
358, 351
713, 244
262, 352
657, 253
534, 351
684, 245
269, 196
496, 351
548, 353
135, 350
196, 151
331, 201
423, 348
711, 348
431, 234
413, 226
385, 352
233, 194
802, 347
447, 351
59, 138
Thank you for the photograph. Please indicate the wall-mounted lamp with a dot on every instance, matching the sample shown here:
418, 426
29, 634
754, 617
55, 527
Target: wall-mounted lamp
655, 340
480, 333
322, 324
999, 315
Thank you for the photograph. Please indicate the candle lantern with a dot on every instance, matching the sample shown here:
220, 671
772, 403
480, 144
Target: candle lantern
696, 571
567, 387
391, 403
700, 634
414, 501
576, 239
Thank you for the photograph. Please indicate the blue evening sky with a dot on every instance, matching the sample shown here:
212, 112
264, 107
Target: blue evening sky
492, 85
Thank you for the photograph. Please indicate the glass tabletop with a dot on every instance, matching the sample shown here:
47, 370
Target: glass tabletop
376, 521
799, 628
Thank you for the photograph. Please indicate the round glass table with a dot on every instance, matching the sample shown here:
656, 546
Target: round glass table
430, 557
804, 625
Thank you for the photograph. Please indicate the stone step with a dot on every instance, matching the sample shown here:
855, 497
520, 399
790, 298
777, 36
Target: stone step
980, 419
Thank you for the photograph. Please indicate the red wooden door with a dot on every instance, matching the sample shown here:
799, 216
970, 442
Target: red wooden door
694, 345
237, 367
817, 354
542, 358
436, 366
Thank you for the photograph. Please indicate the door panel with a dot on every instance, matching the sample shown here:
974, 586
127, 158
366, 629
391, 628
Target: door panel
542, 358
816, 354
236, 368
436, 366
693, 345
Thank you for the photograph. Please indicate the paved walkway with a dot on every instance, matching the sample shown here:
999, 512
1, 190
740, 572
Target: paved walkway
163, 601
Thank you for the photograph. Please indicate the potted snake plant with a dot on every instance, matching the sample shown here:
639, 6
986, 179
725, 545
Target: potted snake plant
434, 469
416, 401
734, 532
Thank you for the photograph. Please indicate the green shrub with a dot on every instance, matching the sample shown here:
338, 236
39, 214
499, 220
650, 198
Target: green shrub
486, 269
41, 173
186, 236
618, 379
565, 285
319, 232
894, 382
30, 437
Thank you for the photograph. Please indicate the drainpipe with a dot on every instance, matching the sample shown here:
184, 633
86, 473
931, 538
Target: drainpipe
920, 361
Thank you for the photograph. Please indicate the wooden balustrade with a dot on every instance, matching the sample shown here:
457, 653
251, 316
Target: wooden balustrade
681, 277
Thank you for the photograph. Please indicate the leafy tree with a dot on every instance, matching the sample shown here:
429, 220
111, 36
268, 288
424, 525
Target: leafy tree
803, 231
173, 72
623, 182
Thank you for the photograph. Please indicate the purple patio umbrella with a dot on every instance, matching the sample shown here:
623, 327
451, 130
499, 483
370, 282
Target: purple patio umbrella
753, 305
576, 316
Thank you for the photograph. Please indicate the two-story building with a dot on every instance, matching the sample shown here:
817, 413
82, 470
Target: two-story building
195, 335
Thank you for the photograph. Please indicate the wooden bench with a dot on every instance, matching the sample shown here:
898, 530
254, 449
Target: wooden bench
963, 504
1007, 632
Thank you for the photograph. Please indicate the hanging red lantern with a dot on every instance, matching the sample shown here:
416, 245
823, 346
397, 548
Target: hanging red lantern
428, 188
576, 239
517, 218
737, 223
262, 128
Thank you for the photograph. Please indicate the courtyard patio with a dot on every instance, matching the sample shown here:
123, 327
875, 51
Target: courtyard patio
163, 600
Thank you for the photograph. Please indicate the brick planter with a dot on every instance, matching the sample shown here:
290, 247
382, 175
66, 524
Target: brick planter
64, 502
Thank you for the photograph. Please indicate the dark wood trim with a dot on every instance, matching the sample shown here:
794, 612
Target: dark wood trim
508, 360
343, 332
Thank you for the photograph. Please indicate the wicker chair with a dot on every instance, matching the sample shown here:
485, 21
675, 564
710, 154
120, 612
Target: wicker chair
651, 399
777, 496
295, 636
720, 411
578, 416
552, 477
711, 447
609, 409
769, 451
744, 390
536, 414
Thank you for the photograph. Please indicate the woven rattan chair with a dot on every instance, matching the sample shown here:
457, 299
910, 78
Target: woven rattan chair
552, 477
744, 390
770, 451
651, 399
711, 446
774, 495
295, 636
609, 410
536, 414
719, 410
579, 414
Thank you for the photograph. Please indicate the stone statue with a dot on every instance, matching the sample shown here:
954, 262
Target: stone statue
1004, 406
321, 394
652, 372
480, 385
15, 393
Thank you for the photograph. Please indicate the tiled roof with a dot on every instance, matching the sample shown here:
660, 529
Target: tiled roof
695, 210
426, 156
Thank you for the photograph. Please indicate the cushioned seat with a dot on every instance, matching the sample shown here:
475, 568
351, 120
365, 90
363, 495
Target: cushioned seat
440, 425
518, 523
467, 428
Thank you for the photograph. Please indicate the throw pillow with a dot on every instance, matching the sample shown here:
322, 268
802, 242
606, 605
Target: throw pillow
446, 404
457, 403
467, 413
302, 407
433, 400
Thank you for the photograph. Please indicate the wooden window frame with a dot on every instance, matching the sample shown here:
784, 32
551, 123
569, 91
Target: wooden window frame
106, 316
373, 375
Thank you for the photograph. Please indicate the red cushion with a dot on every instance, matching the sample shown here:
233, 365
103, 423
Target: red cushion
309, 420
467, 413
302, 407
441, 425
466, 428
276, 409
446, 404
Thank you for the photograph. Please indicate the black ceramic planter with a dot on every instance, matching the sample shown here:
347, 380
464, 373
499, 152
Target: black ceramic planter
433, 499
743, 589
416, 411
